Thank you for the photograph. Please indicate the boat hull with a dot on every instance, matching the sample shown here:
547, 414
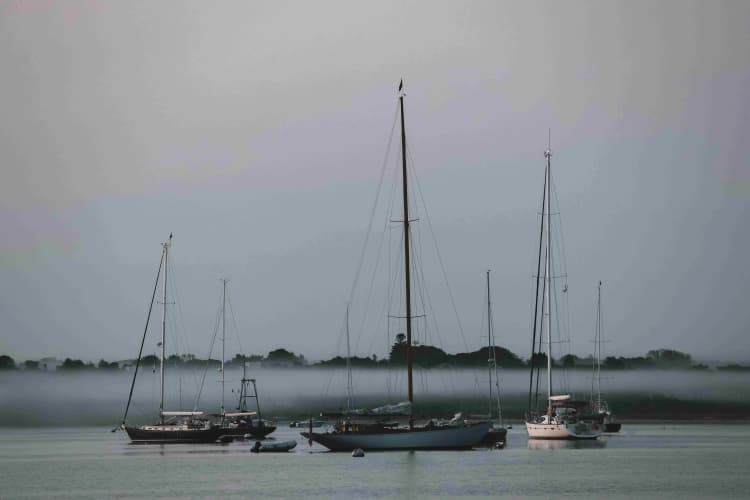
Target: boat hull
277, 447
257, 431
612, 427
177, 435
444, 438
568, 430
494, 437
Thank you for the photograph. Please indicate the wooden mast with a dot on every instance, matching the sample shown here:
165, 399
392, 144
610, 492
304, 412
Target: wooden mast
407, 276
548, 273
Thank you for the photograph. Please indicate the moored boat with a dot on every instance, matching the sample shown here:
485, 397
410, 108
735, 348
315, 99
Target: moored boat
563, 418
173, 426
383, 431
243, 421
599, 406
273, 446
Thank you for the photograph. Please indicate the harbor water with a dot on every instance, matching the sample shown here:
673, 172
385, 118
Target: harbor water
643, 461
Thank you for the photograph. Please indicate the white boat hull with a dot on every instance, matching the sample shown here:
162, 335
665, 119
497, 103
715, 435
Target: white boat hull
566, 430
443, 438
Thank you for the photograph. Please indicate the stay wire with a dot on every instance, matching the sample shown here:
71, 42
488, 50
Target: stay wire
143, 340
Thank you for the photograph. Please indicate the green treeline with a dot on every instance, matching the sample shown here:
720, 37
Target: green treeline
424, 356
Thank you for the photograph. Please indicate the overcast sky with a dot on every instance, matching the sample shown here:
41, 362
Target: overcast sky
256, 131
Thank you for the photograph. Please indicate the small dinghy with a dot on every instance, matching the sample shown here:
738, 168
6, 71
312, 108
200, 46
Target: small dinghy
273, 447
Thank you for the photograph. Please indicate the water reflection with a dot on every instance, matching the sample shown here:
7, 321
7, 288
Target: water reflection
559, 444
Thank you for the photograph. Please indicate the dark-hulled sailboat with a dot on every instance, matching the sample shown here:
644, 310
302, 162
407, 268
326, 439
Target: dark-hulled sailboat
599, 406
394, 427
497, 433
173, 426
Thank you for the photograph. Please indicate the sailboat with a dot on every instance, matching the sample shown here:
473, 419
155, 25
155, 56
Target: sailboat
173, 426
497, 433
599, 406
384, 428
563, 418
243, 421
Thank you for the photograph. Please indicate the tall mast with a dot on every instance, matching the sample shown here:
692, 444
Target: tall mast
407, 276
348, 365
491, 350
598, 346
163, 330
547, 264
223, 338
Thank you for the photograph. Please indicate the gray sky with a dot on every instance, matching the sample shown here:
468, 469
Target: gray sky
256, 131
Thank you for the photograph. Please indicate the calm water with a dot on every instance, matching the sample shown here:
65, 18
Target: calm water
677, 461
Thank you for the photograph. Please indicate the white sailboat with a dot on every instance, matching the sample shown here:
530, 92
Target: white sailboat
394, 427
563, 418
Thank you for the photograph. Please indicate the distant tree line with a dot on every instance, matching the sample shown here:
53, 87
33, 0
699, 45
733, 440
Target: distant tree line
424, 356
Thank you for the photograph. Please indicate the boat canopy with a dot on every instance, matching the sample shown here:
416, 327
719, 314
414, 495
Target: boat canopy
561, 397
182, 413
242, 414
402, 408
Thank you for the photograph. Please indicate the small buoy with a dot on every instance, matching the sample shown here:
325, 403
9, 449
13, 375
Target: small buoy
359, 452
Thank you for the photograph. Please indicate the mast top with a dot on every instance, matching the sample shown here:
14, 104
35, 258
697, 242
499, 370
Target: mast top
548, 151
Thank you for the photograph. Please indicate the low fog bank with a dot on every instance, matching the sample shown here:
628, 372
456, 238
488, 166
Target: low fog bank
70, 399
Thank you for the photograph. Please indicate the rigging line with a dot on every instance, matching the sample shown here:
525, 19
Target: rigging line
396, 279
384, 308
371, 287
385, 303
333, 373
417, 271
234, 323
178, 301
594, 357
208, 358
481, 335
493, 342
424, 296
143, 340
440, 257
432, 316
374, 207
383, 316
236, 333
178, 335
541, 331
559, 223
560, 243
367, 237
536, 293
417, 264
564, 385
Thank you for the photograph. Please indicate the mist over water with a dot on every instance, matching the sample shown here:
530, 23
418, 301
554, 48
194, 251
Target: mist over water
73, 399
